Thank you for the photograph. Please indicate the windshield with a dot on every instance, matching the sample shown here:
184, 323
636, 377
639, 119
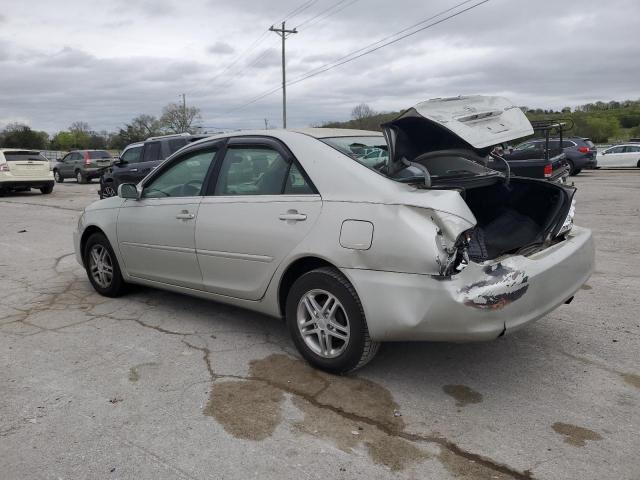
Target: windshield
372, 152
24, 155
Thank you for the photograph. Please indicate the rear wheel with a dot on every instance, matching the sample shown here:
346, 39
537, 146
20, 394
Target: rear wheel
638, 165
47, 189
327, 323
572, 168
80, 177
57, 177
102, 266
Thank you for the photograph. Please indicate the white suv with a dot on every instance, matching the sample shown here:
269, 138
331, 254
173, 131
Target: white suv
23, 170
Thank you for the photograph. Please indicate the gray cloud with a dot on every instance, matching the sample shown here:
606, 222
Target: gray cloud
105, 64
221, 48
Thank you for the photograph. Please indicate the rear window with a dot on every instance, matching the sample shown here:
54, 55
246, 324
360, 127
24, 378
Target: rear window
93, 155
24, 155
176, 144
589, 143
369, 151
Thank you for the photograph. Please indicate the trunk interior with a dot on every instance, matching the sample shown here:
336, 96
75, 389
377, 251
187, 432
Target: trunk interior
512, 217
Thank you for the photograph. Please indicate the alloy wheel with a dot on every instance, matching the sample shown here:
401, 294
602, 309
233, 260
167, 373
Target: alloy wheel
101, 265
323, 323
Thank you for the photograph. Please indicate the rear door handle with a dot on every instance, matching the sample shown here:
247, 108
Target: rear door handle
293, 215
185, 215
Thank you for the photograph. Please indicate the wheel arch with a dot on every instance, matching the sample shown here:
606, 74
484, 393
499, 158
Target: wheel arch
90, 230
295, 270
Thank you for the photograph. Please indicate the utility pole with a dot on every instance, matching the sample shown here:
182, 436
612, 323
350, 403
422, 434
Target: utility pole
266, 124
283, 33
184, 111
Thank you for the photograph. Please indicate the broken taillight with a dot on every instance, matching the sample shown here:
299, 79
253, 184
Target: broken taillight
583, 149
548, 170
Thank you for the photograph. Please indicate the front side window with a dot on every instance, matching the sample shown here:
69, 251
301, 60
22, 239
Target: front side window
132, 155
252, 171
183, 177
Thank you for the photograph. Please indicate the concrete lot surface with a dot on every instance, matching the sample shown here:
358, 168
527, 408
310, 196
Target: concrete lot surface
155, 385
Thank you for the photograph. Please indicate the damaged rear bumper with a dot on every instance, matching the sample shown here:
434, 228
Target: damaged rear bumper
481, 302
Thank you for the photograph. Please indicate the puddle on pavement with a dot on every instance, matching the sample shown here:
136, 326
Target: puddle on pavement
340, 409
246, 409
574, 435
462, 394
462, 468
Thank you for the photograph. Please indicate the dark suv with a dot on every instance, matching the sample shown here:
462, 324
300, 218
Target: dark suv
580, 152
138, 159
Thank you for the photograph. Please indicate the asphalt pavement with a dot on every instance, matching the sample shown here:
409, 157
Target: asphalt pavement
155, 385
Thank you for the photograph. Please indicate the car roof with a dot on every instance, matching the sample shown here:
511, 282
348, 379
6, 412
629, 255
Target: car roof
336, 132
20, 150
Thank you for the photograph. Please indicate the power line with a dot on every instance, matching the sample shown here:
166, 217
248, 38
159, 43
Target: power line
298, 10
388, 37
321, 13
366, 50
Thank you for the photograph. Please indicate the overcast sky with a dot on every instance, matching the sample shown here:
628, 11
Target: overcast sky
105, 62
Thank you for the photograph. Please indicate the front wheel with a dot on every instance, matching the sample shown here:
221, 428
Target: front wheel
327, 322
108, 190
102, 266
57, 177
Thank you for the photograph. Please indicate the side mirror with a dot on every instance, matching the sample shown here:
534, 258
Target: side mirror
128, 190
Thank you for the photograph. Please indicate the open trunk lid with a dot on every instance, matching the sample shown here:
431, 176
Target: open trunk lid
473, 122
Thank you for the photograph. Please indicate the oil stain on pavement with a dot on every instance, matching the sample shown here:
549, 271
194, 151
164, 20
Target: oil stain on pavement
574, 435
462, 394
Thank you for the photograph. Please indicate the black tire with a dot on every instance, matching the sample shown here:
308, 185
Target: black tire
47, 189
577, 171
80, 178
360, 349
572, 168
107, 190
57, 177
117, 286
638, 165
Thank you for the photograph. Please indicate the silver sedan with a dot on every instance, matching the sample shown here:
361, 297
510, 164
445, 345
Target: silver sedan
422, 243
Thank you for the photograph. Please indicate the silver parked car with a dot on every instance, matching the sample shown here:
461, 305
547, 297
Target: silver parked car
427, 243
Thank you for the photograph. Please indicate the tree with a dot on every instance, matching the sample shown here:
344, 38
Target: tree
63, 141
180, 119
17, 135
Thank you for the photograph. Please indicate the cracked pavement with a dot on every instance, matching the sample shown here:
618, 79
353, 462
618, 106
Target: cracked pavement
155, 385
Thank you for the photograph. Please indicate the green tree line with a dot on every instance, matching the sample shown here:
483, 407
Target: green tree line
79, 135
602, 122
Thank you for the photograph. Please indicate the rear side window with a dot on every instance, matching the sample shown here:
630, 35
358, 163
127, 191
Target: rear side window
631, 149
568, 144
24, 155
151, 152
99, 154
176, 144
252, 171
296, 184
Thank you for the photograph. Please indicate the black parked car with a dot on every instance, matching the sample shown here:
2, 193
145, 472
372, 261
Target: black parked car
138, 159
580, 152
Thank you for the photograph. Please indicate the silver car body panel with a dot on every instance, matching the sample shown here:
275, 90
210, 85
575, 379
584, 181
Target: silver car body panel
243, 249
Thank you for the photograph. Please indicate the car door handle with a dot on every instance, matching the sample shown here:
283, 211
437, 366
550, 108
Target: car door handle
133, 170
185, 215
293, 215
